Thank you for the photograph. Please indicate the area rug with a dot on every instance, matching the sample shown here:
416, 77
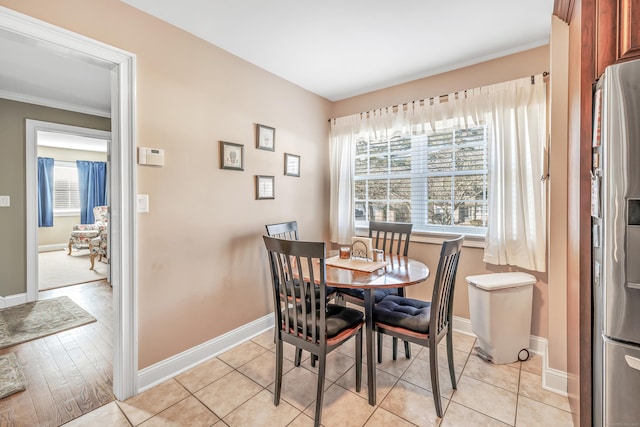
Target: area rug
11, 377
57, 269
26, 322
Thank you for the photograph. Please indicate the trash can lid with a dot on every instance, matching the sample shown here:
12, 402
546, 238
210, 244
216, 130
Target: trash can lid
496, 281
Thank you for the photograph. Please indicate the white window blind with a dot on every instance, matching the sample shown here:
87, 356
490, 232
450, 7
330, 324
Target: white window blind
437, 181
66, 199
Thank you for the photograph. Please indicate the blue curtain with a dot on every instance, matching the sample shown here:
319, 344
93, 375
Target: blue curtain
45, 192
92, 186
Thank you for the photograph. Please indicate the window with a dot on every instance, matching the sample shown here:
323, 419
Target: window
66, 199
436, 181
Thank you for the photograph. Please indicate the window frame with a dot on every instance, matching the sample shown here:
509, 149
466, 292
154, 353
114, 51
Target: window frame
419, 201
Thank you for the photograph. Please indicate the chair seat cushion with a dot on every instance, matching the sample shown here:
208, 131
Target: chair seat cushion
85, 227
378, 294
339, 318
84, 234
403, 312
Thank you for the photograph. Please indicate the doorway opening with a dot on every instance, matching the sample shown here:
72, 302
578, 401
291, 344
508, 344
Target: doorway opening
65, 255
121, 66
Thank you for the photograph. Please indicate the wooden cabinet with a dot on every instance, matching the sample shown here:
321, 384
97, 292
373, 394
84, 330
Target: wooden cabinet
629, 32
618, 32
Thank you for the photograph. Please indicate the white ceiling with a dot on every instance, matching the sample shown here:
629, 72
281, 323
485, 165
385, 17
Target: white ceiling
44, 74
334, 48
338, 49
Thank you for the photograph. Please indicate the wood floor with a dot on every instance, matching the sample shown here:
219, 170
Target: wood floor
70, 373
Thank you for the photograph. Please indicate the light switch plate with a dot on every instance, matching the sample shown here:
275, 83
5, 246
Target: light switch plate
143, 203
5, 201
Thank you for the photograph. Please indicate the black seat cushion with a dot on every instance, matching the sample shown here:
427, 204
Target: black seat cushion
378, 294
338, 318
406, 313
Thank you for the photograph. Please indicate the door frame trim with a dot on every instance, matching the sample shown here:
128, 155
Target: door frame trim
122, 183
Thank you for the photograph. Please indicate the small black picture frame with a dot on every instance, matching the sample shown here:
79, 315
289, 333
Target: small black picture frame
231, 156
265, 187
265, 137
291, 164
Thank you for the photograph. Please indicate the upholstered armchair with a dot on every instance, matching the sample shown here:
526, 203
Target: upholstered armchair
82, 234
98, 247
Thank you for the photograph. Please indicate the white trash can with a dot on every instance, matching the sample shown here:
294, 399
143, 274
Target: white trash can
500, 311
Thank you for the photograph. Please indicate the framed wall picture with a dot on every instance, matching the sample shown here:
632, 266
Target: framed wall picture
265, 187
265, 137
231, 156
291, 164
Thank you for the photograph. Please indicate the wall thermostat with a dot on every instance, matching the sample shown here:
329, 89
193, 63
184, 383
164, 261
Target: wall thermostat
150, 156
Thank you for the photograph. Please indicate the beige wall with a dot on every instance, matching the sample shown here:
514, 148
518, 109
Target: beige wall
201, 264
499, 70
58, 234
558, 194
12, 183
62, 225
523, 64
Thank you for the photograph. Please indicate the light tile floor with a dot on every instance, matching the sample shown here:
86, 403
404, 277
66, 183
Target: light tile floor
236, 389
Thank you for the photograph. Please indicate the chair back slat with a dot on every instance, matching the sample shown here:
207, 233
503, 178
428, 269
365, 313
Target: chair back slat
443, 288
391, 237
283, 230
298, 316
283, 286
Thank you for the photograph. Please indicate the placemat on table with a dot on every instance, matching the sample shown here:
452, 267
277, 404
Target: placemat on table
356, 264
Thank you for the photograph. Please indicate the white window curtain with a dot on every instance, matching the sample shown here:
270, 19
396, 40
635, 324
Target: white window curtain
344, 132
515, 112
516, 230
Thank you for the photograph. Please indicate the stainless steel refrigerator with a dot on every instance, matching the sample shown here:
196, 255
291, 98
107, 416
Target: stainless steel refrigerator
615, 212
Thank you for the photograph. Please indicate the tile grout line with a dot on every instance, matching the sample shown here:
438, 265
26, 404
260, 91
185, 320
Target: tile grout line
123, 413
515, 418
466, 361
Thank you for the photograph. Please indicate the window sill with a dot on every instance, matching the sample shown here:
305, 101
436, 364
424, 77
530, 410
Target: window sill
60, 214
470, 241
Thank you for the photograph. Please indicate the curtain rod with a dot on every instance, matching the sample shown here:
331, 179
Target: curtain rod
545, 74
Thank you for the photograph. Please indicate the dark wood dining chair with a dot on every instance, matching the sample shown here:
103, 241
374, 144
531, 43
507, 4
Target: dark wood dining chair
426, 323
283, 230
391, 238
289, 231
311, 323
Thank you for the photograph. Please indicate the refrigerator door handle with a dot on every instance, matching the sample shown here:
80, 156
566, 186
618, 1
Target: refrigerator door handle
633, 362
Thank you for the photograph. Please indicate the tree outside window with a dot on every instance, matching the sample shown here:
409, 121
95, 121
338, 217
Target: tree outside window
437, 181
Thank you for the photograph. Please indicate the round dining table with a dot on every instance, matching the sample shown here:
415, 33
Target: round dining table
397, 272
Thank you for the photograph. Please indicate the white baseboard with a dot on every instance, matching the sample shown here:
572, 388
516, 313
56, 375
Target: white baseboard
553, 380
11, 300
462, 325
538, 345
55, 247
169, 368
